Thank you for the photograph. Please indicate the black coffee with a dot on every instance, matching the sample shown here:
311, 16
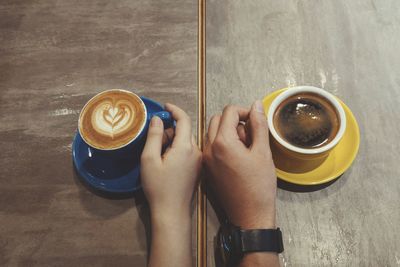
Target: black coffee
306, 120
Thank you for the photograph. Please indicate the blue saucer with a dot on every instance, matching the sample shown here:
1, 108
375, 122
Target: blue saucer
119, 173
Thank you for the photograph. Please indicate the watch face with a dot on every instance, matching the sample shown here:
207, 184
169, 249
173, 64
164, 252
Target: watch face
226, 246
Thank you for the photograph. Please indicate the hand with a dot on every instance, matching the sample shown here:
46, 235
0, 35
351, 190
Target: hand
240, 161
169, 179
168, 182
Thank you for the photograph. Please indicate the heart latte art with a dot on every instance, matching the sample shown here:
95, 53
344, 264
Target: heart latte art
112, 119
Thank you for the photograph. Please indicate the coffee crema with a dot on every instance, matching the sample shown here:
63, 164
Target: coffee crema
112, 119
306, 120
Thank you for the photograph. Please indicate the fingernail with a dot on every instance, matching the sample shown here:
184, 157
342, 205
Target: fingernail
155, 121
259, 106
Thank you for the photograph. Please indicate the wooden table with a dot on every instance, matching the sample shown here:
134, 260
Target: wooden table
55, 55
350, 48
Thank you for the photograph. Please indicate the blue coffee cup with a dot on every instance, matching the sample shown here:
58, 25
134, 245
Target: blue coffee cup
116, 170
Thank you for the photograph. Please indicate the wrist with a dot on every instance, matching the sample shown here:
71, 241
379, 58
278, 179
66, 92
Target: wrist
261, 219
170, 217
169, 227
257, 223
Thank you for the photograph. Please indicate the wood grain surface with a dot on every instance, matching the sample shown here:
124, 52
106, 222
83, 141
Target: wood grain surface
350, 48
55, 55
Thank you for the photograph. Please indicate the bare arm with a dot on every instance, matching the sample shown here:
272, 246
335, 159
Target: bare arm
168, 182
171, 240
243, 173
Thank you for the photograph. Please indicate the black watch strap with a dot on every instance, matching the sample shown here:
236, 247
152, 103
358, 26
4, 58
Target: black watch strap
261, 240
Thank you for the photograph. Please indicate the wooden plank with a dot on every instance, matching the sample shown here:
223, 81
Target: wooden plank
54, 56
201, 134
350, 48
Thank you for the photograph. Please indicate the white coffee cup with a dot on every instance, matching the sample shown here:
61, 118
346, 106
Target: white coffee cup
300, 152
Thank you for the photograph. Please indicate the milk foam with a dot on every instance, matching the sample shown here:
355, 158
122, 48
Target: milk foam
113, 119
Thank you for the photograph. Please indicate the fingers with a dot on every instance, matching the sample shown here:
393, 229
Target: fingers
168, 136
153, 146
183, 131
228, 125
213, 127
258, 127
231, 116
243, 135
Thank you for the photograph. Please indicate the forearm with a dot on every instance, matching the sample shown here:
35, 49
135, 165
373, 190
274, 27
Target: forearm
171, 240
265, 220
260, 259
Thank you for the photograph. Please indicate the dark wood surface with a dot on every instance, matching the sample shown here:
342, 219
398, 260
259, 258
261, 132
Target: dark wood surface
350, 48
55, 55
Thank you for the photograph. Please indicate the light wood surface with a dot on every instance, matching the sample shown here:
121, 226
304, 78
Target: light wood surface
55, 55
350, 48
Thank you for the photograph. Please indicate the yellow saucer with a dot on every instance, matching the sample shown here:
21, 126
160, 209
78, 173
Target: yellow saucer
336, 163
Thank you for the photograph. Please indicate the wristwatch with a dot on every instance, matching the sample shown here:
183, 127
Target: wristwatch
233, 242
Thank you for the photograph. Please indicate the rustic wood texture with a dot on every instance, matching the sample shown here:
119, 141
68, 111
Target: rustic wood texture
350, 48
55, 55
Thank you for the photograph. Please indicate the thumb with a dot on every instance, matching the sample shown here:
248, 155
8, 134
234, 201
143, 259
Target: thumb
153, 146
258, 127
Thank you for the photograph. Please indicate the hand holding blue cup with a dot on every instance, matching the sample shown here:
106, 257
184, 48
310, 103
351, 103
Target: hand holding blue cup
112, 131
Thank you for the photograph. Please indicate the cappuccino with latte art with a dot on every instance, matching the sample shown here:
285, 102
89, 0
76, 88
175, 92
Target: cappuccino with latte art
112, 119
